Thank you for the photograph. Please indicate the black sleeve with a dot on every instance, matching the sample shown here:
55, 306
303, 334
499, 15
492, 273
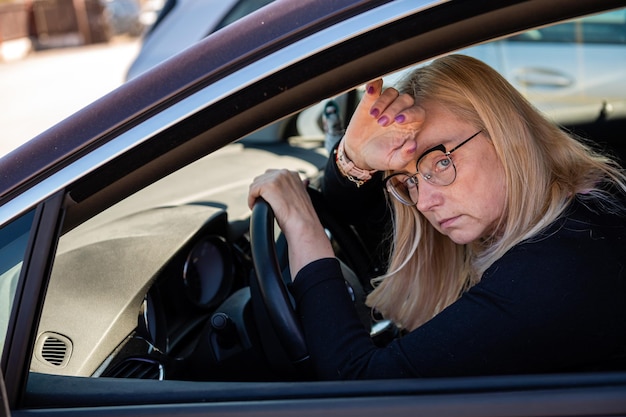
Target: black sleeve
552, 305
364, 207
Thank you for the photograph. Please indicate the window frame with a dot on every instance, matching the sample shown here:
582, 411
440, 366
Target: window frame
22, 326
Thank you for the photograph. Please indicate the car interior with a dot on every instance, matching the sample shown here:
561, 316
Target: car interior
164, 282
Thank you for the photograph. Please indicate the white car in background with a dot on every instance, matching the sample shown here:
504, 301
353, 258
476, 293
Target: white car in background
552, 67
181, 23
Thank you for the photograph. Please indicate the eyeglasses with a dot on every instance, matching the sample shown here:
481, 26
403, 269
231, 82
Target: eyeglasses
435, 166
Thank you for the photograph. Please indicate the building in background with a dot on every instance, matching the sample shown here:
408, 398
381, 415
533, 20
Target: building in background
27, 25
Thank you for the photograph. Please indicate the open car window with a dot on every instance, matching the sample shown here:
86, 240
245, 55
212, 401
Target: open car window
134, 289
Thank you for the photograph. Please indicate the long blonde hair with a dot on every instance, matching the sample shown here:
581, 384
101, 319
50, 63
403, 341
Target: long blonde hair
545, 168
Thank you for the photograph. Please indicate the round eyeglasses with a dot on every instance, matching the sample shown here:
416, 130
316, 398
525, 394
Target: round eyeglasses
435, 166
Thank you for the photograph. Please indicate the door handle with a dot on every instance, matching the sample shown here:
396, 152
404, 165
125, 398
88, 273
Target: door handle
542, 77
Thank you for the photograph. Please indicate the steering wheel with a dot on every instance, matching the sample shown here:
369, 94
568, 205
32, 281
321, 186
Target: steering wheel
270, 281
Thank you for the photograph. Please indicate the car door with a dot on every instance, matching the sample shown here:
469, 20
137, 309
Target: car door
573, 71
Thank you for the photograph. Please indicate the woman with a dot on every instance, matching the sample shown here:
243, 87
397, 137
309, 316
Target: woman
508, 244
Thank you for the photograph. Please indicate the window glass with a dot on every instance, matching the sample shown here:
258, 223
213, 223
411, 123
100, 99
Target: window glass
572, 71
13, 241
604, 28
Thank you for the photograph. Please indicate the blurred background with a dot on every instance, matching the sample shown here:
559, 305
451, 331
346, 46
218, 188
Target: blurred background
27, 25
57, 56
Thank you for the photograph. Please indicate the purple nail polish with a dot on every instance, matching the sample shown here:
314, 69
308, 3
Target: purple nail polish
383, 121
374, 112
400, 118
370, 90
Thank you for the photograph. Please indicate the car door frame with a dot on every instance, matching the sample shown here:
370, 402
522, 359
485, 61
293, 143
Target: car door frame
28, 300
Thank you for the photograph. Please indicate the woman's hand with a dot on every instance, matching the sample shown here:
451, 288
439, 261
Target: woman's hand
381, 134
286, 193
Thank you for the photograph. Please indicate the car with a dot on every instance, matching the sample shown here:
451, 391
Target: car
571, 71
131, 268
181, 23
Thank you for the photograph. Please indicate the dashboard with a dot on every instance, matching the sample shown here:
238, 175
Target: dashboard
159, 294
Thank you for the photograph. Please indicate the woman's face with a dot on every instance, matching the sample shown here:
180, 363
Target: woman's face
471, 207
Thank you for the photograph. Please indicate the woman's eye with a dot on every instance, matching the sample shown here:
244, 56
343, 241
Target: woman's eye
442, 164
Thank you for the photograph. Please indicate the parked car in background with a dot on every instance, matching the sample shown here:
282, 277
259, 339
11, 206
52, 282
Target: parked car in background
127, 279
571, 71
181, 23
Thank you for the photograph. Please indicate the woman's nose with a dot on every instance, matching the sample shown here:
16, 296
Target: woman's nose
428, 197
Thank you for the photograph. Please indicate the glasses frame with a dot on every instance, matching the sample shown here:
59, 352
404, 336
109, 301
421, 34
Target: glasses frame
414, 177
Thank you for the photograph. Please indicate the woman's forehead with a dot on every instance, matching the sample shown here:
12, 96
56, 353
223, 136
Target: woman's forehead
441, 126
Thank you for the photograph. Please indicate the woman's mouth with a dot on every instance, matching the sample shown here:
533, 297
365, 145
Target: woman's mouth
447, 223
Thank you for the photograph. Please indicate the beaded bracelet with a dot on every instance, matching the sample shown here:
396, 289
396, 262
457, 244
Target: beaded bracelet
349, 170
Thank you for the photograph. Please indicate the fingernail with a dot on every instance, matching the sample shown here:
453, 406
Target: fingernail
370, 89
383, 121
400, 118
374, 112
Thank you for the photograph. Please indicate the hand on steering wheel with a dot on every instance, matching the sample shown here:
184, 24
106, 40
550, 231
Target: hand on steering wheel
270, 280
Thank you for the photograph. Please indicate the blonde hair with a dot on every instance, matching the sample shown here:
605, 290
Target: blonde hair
545, 168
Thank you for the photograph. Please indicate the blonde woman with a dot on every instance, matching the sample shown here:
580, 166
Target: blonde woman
508, 236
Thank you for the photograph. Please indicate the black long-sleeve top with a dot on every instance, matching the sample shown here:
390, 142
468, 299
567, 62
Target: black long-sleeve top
555, 303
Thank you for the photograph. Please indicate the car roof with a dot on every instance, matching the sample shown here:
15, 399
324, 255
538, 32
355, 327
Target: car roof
253, 37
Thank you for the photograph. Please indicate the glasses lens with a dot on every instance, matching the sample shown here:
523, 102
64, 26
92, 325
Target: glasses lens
437, 168
403, 188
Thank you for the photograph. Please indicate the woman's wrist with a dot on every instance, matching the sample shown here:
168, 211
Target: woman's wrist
348, 168
312, 244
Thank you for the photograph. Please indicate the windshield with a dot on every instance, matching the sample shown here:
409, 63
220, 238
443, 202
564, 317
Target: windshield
13, 242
